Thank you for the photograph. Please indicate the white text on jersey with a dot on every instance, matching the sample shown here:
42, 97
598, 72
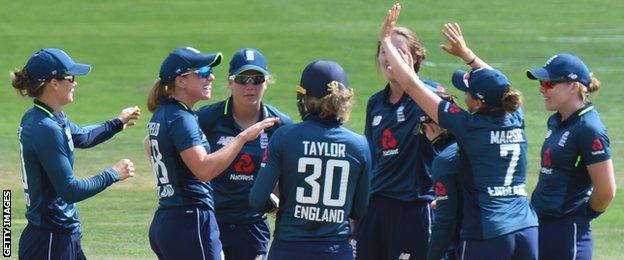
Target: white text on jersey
506, 137
316, 214
323, 149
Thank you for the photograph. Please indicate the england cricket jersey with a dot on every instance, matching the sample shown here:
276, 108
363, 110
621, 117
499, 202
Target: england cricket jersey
47, 143
445, 173
323, 172
401, 153
564, 184
173, 129
231, 188
493, 150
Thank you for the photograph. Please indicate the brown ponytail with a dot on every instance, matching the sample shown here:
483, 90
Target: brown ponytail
511, 101
24, 85
158, 94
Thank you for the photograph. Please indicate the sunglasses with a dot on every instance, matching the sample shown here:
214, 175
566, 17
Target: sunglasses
203, 72
549, 84
70, 78
246, 79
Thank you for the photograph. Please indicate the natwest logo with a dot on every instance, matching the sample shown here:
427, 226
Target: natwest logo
387, 140
546, 161
244, 164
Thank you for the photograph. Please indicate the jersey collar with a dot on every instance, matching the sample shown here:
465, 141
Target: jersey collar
574, 117
386, 96
43, 107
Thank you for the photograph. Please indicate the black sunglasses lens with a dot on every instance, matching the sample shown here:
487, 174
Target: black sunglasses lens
245, 79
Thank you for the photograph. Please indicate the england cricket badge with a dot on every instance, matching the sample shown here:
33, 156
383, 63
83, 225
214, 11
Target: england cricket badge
264, 140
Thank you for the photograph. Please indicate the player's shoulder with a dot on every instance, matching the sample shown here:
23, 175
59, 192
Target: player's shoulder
213, 109
274, 112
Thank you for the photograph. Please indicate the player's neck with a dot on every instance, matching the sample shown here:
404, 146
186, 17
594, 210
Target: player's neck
245, 115
396, 92
52, 102
568, 109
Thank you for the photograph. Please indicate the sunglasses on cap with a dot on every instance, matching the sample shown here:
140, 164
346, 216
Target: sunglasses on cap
246, 79
203, 72
549, 84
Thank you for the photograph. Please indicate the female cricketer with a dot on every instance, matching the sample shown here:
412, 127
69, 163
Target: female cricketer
323, 171
184, 225
393, 130
576, 180
221, 122
498, 221
47, 141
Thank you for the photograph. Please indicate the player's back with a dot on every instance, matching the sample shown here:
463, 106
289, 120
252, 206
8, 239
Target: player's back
324, 180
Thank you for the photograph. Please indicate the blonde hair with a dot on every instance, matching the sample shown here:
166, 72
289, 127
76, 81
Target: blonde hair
337, 105
594, 86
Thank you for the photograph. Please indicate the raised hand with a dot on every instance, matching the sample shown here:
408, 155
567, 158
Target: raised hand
455, 37
124, 168
252, 132
129, 115
390, 22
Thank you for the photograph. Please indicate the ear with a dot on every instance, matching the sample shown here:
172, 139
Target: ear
180, 82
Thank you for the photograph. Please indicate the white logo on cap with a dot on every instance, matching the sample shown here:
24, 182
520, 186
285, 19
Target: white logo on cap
192, 49
572, 76
249, 55
550, 60
54, 72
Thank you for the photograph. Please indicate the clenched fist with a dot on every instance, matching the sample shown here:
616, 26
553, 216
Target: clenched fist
124, 168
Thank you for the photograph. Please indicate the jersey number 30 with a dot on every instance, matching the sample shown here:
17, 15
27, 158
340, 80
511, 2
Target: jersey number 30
331, 167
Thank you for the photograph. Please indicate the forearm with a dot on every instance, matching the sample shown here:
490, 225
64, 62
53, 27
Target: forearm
410, 82
471, 59
79, 189
217, 162
93, 135
600, 200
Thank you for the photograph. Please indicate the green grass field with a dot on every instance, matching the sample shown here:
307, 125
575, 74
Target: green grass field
126, 41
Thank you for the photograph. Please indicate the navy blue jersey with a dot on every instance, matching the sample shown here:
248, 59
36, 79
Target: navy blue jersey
493, 151
445, 171
231, 188
173, 129
47, 144
401, 153
564, 184
323, 172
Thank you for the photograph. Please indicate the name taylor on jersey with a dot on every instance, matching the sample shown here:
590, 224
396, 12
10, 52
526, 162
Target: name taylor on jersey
312, 212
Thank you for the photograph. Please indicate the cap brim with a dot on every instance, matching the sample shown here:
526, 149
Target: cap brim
250, 67
539, 74
458, 80
211, 59
79, 69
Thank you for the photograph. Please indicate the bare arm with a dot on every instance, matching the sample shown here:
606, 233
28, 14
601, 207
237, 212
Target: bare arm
603, 179
208, 166
404, 74
458, 46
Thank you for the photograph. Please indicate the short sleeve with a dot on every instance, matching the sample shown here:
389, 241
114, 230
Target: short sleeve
453, 118
594, 144
185, 132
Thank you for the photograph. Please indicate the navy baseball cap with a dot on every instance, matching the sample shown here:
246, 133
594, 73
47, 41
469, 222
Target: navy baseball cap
51, 62
184, 59
320, 76
248, 59
488, 85
562, 66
